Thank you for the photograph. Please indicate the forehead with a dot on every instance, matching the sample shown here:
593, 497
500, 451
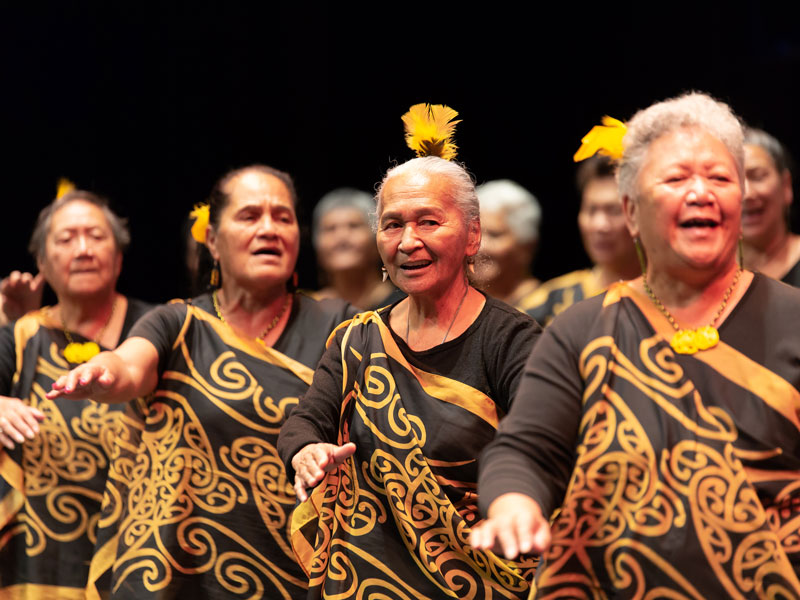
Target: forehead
417, 190
687, 146
78, 214
757, 156
257, 187
601, 190
343, 214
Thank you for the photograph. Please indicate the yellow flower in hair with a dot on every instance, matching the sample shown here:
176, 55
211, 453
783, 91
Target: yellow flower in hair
605, 139
65, 186
200, 225
430, 129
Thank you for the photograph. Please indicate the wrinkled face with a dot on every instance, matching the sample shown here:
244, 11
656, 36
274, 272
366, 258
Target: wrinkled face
345, 241
506, 254
602, 224
767, 197
422, 237
81, 257
688, 211
257, 239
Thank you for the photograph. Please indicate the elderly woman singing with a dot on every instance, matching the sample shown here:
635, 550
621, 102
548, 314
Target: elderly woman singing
401, 405
658, 422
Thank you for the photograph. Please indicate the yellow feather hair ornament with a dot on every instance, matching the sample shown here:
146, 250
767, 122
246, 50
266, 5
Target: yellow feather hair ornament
605, 139
430, 129
200, 225
65, 186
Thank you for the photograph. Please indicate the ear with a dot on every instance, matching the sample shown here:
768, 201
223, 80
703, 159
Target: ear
211, 242
118, 265
788, 193
474, 237
631, 210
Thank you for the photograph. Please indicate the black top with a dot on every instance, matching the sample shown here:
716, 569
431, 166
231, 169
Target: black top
136, 309
793, 276
488, 356
162, 326
534, 451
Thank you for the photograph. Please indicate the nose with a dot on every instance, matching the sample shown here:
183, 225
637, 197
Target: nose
266, 226
409, 240
83, 248
601, 221
699, 191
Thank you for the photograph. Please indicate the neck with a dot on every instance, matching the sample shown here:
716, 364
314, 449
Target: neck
609, 273
507, 287
761, 256
355, 285
252, 313
86, 313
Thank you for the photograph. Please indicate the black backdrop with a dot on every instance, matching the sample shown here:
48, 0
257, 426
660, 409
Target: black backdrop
148, 104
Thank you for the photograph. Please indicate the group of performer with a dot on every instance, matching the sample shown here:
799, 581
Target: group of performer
436, 442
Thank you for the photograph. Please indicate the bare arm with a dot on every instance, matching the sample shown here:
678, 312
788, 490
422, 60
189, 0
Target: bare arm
126, 373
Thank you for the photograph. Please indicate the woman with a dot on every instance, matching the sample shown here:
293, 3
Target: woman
510, 217
769, 246
55, 453
668, 459
346, 251
402, 403
605, 238
197, 497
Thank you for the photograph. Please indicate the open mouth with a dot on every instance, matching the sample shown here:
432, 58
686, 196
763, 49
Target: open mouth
415, 265
267, 252
692, 223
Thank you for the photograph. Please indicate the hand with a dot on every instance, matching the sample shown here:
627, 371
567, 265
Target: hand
515, 525
84, 381
21, 293
18, 421
313, 461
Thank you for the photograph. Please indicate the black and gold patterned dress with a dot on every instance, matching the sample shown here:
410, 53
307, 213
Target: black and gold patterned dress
393, 521
197, 500
670, 476
558, 294
51, 486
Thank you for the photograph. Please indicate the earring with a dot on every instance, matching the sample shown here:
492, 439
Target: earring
471, 265
295, 280
384, 274
741, 252
214, 281
637, 244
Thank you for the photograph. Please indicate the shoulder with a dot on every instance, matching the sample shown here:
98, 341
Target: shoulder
772, 297
325, 310
137, 308
500, 313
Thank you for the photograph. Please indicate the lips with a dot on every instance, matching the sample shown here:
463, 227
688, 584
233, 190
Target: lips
267, 252
415, 265
699, 222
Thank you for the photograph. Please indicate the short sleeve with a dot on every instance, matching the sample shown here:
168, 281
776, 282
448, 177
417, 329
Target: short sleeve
161, 327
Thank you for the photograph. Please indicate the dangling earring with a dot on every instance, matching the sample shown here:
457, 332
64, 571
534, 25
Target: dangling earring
637, 243
471, 265
384, 274
214, 281
295, 280
741, 251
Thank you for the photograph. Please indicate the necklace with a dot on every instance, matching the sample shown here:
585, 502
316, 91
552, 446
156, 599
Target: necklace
689, 341
449, 327
80, 352
271, 325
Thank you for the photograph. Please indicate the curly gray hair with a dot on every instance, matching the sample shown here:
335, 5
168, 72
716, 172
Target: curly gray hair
523, 212
694, 109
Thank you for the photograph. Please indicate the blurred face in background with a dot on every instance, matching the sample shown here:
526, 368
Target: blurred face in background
602, 224
345, 241
500, 245
81, 256
767, 197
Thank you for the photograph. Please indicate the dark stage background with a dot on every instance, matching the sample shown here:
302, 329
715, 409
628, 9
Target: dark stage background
149, 104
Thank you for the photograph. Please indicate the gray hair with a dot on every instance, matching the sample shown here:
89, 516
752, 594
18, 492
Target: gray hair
461, 190
118, 225
523, 212
690, 110
342, 198
778, 154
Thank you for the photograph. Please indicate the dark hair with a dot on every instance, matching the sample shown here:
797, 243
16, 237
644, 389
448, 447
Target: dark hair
118, 225
596, 167
219, 199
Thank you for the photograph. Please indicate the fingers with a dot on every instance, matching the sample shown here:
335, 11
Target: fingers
313, 461
515, 526
18, 422
81, 382
300, 489
340, 454
37, 283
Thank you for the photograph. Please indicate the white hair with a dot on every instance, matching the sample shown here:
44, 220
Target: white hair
342, 198
689, 110
523, 213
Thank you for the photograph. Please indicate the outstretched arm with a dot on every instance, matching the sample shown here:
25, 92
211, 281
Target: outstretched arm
129, 371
